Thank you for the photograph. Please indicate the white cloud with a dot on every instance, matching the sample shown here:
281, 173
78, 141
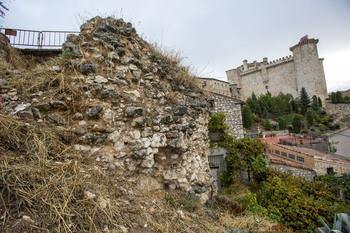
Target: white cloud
337, 70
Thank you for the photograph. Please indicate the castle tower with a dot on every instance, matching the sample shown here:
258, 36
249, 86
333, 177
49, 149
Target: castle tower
309, 68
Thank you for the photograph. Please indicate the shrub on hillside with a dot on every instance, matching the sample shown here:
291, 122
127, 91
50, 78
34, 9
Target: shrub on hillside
310, 117
294, 202
297, 124
247, 117
282, 123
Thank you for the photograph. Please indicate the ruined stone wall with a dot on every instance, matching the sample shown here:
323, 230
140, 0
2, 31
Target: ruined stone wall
307, 174
231, 107
340, 111
322, 165
140, 113
5, 48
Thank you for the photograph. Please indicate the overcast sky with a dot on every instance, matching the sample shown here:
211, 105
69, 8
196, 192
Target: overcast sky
213, 36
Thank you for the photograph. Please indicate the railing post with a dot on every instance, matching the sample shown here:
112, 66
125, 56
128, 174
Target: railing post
40, 40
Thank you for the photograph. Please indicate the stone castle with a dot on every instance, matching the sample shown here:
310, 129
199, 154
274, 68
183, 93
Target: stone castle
287, 75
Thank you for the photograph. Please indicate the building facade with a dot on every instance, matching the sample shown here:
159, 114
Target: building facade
287, 75
305, 162
215, 86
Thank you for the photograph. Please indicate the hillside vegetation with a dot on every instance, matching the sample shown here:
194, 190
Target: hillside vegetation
301, 115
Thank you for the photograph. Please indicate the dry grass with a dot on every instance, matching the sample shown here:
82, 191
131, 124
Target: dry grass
180, 73
235, 191
41, 178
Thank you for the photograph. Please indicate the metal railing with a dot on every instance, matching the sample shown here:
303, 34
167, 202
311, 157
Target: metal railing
41, 39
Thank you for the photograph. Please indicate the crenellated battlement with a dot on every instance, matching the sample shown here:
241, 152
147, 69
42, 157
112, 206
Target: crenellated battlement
279, 61
248, 68
309, 41
286, 74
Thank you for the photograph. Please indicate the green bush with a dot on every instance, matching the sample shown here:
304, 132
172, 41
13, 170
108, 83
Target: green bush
282, 123
244, 154
297, 124
267, 124
294, 201
247, 117
310, 117
217, 122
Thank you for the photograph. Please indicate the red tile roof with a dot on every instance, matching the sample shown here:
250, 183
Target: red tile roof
281, 160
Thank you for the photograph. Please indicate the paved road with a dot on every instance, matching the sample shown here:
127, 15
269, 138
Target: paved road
343, 147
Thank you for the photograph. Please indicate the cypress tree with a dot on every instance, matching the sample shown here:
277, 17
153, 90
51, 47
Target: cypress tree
247, 117
296, 124
315, 105
319, 102
310, 117
304, 98
294, 106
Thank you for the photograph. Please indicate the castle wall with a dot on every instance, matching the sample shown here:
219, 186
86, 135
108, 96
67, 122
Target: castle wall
280, 78
287, 75
309, 68
234, 77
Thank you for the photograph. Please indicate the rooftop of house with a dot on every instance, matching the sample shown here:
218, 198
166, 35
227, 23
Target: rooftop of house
277, 138
318, 156
280, 160
214, 79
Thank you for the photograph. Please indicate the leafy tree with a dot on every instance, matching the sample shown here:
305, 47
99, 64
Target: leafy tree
247, 117
282, 123
264, 112
242, 156
294, 104
339, 97
333, 98
276, 111
217, 122
2, 9
310, 117
284, 102
303, 109
254, 106
296, 124
293, 201
267, 124
304, 98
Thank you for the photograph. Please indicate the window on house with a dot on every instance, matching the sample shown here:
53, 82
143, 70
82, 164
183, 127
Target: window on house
291, 156
330, 170
300, 159
269, 150
277, 152
267, 87
284, 154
